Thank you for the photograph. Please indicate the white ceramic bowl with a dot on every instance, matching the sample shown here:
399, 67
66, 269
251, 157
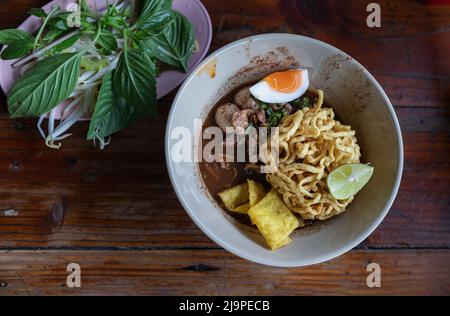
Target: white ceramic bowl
358, 100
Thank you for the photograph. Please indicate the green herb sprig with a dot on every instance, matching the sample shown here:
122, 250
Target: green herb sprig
273, 117
122, 46
301, 102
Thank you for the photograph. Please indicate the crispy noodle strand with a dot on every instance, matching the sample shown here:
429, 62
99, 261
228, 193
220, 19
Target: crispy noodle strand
312, 144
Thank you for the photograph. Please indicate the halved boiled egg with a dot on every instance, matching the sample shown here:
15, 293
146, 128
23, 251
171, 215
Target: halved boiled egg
281, 86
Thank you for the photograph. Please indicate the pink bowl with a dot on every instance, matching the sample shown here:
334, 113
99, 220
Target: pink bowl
167, 80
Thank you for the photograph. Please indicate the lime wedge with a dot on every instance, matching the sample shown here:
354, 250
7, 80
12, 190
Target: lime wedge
345, 181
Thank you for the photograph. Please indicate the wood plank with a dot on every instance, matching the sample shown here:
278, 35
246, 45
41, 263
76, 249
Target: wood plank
216, 272
141, 209
102, 212
407, 91
409, 28
125, 226
418, 33
20, 11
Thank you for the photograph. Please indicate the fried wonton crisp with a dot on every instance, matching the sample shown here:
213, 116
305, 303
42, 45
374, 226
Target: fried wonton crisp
256, 192
235, 196
242, 209
274, 220
283, 243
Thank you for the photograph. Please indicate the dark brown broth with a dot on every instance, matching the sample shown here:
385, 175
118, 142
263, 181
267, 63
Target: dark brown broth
217, 178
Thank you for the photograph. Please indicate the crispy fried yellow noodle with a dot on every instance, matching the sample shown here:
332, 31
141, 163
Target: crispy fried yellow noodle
312, 144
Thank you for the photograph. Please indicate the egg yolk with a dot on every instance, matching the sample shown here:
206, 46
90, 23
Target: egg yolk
284, 81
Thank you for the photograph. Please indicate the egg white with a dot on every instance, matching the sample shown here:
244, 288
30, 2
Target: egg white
262, 90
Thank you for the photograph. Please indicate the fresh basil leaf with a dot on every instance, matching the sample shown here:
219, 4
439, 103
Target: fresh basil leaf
61, 15
39, 12
87, 26
59, 20
52, 34
67, 43
62, 25
155, 15
9, 36
175, 44
111, 114
19, 43
141, 35
107, 41
45, 85
17, 49
134, 80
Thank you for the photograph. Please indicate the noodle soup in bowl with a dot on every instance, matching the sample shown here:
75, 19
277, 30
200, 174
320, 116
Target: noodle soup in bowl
350, 93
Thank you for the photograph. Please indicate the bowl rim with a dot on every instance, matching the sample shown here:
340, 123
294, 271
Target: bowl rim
296, 262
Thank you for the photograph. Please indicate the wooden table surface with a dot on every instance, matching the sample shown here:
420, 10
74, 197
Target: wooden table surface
124, 225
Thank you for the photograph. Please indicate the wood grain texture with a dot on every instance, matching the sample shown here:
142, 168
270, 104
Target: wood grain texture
122, 197
215, 272
123, 220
